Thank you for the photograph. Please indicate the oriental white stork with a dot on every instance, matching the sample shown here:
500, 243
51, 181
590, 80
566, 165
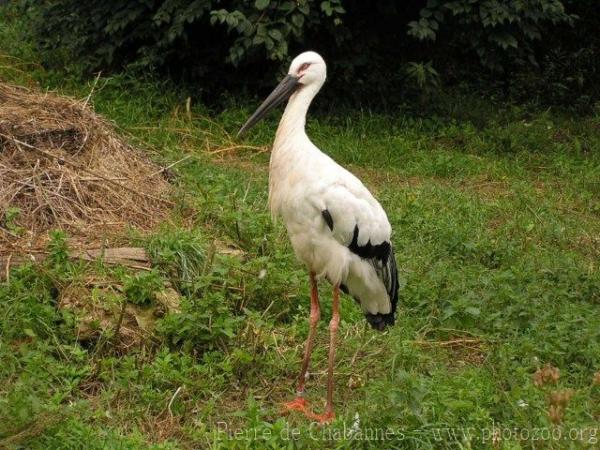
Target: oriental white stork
336, 227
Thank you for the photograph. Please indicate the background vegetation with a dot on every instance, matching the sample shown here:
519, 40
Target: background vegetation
495, 206
379, 52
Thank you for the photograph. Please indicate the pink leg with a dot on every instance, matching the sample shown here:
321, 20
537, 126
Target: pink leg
333, 327
300, 403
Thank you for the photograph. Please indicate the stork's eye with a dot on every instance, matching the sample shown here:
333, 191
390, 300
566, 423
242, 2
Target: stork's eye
303, 67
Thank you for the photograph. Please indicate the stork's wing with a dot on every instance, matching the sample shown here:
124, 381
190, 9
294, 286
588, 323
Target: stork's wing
357, 221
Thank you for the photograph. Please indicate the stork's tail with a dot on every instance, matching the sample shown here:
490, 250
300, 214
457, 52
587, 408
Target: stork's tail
380, 321
389, 275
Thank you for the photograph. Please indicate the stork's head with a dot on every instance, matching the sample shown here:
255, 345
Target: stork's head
307, 71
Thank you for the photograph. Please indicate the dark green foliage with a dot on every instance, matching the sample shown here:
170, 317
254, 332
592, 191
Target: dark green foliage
273, 26
569, 70
499, 32
199, 40
376, 50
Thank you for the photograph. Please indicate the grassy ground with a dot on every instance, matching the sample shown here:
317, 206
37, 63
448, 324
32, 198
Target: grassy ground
496, 215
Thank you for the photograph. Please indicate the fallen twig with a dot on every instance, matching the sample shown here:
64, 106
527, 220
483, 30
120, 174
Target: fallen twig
237, 147
163, 169
451, 343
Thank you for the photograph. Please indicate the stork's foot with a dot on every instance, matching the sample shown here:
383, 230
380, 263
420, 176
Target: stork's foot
325, 418
298, 404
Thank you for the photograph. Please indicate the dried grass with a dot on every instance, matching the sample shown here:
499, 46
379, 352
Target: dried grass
62, 166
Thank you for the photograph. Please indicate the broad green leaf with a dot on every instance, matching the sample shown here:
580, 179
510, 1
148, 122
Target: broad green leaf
298, 20
261, 4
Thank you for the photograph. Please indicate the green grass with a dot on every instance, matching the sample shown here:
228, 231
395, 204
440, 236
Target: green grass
497, 231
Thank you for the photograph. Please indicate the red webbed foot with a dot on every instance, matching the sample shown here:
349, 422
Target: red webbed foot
325, 418
298, 404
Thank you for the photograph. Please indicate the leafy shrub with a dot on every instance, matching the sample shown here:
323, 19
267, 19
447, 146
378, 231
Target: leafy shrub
500, 33
424, 77
569, 67
27, 305
202, 324
197, 39
238, 45
141, 288
58, 249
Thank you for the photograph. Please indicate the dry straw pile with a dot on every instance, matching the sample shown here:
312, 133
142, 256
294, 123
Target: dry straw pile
63, 166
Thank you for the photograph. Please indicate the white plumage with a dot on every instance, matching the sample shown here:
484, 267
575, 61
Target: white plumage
336, 227
303, 182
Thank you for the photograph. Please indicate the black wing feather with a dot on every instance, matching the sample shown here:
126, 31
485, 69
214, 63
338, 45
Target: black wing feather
328, 219
381, 257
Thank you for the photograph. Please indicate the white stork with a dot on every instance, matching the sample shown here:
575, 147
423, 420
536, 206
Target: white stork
336, 227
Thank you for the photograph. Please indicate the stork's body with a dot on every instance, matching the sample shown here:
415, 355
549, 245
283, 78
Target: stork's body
336, 227
306, 188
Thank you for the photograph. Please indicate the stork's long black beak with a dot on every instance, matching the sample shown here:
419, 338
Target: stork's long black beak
281, 93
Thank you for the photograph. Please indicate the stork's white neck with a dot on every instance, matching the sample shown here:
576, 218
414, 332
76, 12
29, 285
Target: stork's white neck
293, 121
291, 144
